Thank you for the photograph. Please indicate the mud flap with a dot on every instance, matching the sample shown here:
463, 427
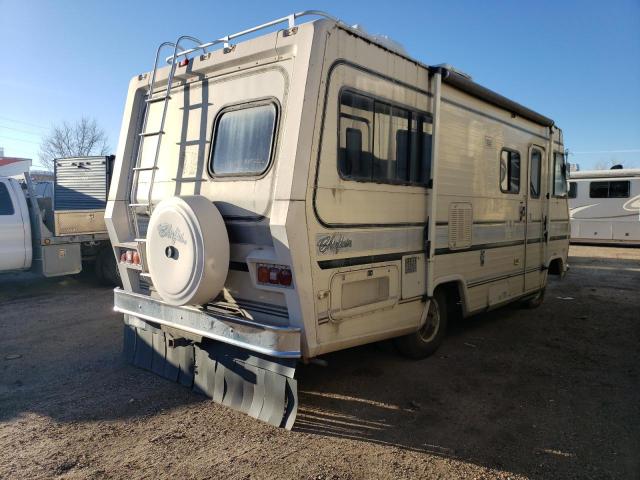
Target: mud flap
260, 386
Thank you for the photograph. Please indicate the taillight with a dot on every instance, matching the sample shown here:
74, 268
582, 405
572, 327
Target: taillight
130, 256
285, 278
263, 274
183, 62
276, 275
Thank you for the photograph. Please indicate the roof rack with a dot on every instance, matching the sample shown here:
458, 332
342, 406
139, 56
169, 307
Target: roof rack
226, 40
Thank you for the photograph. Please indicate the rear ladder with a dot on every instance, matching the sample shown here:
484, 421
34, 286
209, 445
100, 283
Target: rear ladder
150, 99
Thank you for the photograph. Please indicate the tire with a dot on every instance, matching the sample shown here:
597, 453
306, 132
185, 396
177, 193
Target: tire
106, 268
535, 300
426, 341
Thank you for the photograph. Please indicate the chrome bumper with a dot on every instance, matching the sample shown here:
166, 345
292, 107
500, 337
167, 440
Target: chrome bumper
274, 341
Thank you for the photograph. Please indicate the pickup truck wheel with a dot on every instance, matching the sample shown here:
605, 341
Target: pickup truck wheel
426, 341
107, 269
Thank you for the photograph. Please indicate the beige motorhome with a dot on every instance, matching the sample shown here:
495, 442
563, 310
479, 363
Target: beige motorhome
313, 189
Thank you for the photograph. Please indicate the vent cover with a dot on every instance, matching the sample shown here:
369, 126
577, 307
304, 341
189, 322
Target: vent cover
410, 264
460, 225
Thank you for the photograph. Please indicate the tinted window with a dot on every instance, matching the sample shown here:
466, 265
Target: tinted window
536, 163
599, 190
381, 142
559, 175
573, 189
244, 140
6, 206
619, 189
509, 171
616, 189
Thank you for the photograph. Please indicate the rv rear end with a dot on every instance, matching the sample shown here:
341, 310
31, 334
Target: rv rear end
207, 213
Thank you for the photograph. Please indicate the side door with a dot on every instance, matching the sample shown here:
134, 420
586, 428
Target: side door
15, 234
534, 229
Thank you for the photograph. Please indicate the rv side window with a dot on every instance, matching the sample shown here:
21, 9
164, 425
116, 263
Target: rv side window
356, 122
573, 189
559, 175
536, 162
6, 206
619, 189
383, 143
353, 161
616, 189
599, 190
509, 171
243, 140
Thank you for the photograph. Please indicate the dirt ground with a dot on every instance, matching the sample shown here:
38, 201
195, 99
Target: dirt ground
546, 393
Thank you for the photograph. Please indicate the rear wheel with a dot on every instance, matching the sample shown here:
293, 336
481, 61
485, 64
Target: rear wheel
428, 338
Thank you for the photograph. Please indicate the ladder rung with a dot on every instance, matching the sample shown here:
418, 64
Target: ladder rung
140, 240
138, 204
158, 99
143, 169
131, 245
132, 266
150, 134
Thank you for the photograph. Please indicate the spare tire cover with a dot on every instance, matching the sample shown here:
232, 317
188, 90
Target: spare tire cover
187, 250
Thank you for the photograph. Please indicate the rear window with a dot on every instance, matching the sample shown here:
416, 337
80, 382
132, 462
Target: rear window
6, 206
243, 140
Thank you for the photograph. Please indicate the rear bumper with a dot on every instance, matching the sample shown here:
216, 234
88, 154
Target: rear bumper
273, 341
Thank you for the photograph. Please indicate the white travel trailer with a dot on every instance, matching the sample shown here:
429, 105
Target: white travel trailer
605, 206
314, 189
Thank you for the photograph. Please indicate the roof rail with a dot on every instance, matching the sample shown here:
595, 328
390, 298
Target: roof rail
226, 40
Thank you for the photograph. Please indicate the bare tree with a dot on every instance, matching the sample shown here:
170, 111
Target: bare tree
79, 139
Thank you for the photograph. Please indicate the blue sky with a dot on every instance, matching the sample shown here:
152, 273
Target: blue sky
577, 62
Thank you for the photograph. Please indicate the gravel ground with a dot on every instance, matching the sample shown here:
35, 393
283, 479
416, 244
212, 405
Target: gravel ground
546, 393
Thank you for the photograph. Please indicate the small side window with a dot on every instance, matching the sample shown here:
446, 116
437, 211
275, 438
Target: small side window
559, 175
6, 206
536, 163
510, 171
573, 189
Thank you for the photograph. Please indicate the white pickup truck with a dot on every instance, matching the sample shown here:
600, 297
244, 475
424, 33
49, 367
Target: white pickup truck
54, 236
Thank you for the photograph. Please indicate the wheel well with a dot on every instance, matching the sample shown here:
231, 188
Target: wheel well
556, 267
454, 297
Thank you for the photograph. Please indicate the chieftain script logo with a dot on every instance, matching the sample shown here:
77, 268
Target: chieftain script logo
333, 243
166, 230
